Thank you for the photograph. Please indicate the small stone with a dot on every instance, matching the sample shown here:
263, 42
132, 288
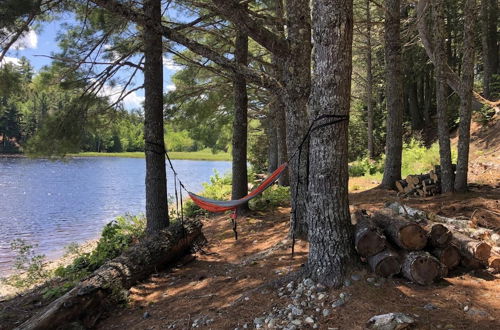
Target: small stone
338, 303
304, 304
370, 279
318, 310
245, 326
309, 319
478, 312
315, 326
296, 322
343, 295
272, 323
347, 283
320, 287
297, 311
326, 312
356, 277
146, 315
258, 321
466, 308
321, 296
449, 326
430, 307
308, 282
247, 299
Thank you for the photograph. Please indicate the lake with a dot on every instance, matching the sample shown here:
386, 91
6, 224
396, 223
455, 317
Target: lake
54, 203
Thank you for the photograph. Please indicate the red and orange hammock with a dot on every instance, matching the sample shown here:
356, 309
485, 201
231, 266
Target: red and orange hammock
214, 205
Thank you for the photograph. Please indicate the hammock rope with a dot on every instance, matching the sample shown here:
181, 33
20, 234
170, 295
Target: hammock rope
213, 205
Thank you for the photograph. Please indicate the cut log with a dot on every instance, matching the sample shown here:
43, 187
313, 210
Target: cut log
434, 177
439, 236
494, 262
386, 263
369, 239
486, 219
421, 267
86, 301
401, 185
472, 248
472, 263
403, 233
448, 256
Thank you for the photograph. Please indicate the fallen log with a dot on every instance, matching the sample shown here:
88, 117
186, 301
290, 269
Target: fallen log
386, 263
403, 233
368, 239
494, 262
421, 267
486, 219
472, 248
85, 302
448, 256
472, 263
401, 185
439, 236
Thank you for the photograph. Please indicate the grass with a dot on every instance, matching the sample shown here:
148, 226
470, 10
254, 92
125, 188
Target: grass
205, 154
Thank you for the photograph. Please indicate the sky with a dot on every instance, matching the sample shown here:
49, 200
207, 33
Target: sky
37, 45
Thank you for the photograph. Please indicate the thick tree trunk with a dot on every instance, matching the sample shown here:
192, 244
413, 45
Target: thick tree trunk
331, 245
466, 96
280, 121
447, 175
272, 135
416, 117
369, 81
296, 69
394, 94
489, 19
156, 181
240, 123
89, 298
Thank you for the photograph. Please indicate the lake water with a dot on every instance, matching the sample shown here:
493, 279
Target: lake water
54, 203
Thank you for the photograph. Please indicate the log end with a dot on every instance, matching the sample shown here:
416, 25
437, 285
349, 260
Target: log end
413, 237
450, 257
440, 236
422, 268
388, 267
483, 251
370, 243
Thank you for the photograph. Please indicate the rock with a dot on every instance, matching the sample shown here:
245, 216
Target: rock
297, 311
390, 321
430, 307
347, 283
245, 326
308, 283
338, 303
326, 312
146, 315
296, 322
272, 323
318, 310
320, 287
309, 319
466, 308
344, 295
315, 326
370, 279
258, 321
478, 312
355, 277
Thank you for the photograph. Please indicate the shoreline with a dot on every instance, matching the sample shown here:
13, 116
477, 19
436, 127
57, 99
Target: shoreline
175, 155
7, 291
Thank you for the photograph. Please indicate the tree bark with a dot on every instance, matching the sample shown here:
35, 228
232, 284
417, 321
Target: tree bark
240, 123
331, 245
89, 298
489, 18
467, 85
369, 81
296, 69
447, 175
156, 181
394, 94
472, 248
272, 134
405, 234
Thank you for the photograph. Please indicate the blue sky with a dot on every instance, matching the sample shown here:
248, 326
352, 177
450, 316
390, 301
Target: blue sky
37, 45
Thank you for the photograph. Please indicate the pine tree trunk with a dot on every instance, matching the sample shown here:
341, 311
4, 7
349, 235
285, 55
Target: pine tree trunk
297, 85
489, 19
331, 244
394, 93
466, 97
369, 81
447, 176
272, 134
280, 123
240, 123
156, 182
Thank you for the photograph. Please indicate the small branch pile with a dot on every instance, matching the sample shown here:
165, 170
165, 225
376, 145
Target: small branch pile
422, 251
422, 185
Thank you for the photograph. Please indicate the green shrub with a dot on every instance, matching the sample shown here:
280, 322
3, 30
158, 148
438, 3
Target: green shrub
272, 197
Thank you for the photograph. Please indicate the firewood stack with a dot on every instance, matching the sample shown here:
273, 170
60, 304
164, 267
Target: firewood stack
422, 185
422, 251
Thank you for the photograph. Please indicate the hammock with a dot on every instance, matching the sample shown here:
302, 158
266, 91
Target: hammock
214, 205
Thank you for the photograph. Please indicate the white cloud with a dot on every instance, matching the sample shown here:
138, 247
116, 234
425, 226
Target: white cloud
11, 60
171, 87
170, 64
27, 40
131, 101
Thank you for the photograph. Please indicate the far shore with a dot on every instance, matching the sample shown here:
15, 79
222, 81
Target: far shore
193, 155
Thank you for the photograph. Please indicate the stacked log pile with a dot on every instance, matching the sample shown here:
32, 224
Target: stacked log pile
423, 185
421, 251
